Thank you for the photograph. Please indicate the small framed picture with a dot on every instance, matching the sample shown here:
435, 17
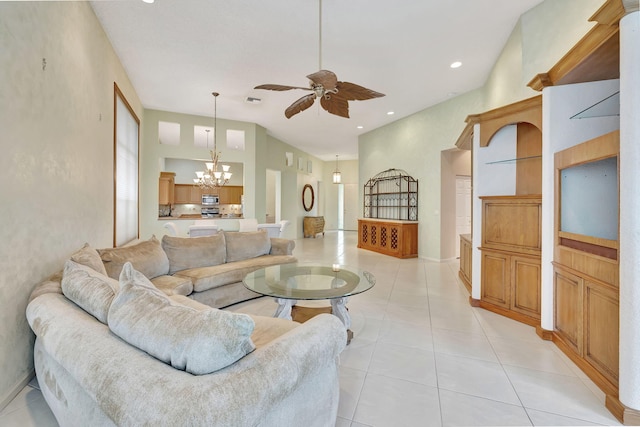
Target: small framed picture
309, 166
288, 158
300, 163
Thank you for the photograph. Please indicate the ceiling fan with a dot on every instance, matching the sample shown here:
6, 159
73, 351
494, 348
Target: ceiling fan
334, 95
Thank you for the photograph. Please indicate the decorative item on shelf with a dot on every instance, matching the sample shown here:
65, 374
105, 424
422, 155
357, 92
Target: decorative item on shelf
212, 177
336, 175
391, 194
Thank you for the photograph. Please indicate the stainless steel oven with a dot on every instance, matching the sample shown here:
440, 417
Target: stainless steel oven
210, 212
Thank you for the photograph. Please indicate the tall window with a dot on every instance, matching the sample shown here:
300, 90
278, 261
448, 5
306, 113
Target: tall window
126, 143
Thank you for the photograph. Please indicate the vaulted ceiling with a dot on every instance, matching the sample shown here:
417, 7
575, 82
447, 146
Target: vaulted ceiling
177, 52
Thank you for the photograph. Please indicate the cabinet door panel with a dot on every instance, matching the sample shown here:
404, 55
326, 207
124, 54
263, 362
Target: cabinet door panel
496, 278
525, 293
568, 308
182, 193
601, 310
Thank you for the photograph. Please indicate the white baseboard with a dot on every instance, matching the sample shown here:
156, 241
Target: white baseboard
17, 389
438, 259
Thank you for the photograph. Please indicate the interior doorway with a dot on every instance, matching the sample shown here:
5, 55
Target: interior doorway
273, 196
350, 207
463, 207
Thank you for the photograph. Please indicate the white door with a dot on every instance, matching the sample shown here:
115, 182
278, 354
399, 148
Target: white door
350, 206
463, 208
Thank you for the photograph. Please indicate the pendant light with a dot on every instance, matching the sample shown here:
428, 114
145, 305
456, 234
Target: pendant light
336, 174
212, 177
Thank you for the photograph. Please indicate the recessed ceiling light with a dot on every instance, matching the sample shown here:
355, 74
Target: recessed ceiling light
148, 1
456, 64
390, 113
360, 126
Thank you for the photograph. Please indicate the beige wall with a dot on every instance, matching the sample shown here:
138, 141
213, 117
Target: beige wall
540, 38
417, 142
292, 182
57, 156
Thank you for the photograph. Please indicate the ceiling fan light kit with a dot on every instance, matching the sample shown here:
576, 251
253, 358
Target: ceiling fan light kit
334, 95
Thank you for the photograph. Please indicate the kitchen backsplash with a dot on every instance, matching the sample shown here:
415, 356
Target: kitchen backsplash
178, 210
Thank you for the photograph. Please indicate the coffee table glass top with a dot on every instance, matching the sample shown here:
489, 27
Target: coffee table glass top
309, 282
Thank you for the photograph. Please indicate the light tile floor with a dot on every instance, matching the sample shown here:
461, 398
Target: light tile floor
421, 356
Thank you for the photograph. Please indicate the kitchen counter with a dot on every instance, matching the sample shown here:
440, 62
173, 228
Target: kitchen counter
195, 216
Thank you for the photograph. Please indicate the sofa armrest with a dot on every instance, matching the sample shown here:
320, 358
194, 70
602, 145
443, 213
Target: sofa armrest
282, 246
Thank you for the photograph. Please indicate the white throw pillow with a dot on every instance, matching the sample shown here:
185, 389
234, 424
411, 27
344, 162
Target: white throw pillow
199, 342
90, 290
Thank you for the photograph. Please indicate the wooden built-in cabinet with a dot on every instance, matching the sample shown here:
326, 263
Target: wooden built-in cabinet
313, 225
511, 244
166, 187
586, 275
389, 237
466, 254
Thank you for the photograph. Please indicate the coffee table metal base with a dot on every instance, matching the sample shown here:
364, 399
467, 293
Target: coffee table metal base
338, 309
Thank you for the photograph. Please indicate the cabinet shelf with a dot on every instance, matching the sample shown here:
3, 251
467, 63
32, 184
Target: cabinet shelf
391, 194
607, 107
518, 159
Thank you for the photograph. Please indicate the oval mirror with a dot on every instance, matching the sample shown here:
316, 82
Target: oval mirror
307, 197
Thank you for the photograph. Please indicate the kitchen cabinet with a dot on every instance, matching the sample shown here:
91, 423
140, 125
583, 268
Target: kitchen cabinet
166, 187
191, 194
188, 194
389, 237
231, 194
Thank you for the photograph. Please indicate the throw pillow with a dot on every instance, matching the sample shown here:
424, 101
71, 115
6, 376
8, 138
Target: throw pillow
199, 342
246, 244
90, 290
147, 257
194, 252
90, 257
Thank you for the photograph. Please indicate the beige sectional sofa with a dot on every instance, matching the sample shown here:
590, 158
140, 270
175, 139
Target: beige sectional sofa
207, 269
124, 352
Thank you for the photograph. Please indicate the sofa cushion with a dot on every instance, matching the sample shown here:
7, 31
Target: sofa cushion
90, 290
147, 257
199, 342
268, 329
246, 244
193, 252
90, 257
173, 285
205, 278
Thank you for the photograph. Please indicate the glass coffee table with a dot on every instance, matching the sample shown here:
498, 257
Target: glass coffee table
289, 283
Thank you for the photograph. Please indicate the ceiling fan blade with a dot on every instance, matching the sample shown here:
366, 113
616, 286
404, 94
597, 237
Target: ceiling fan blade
300, 105
353, 92
326, 78
335, 104
279, 87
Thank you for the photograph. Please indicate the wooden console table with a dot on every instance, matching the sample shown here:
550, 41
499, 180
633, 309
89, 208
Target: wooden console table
313, 225
390, 237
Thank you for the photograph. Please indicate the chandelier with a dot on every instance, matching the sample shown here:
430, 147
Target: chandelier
212, 177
